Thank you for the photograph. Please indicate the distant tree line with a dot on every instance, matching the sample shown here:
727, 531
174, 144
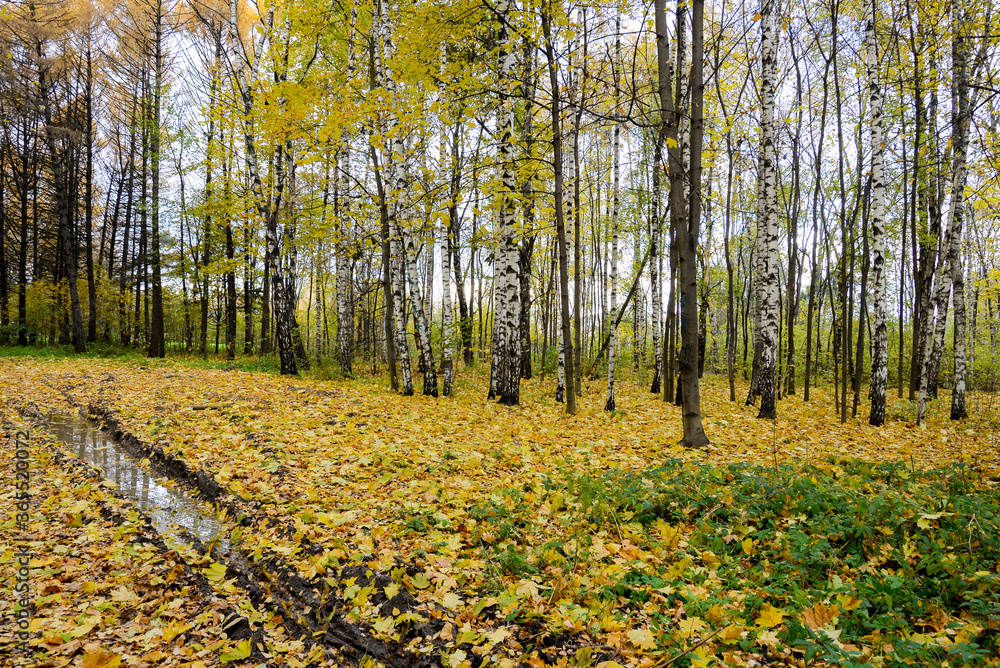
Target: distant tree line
799, 195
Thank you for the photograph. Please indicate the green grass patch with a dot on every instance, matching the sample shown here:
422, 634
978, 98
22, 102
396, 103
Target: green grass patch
844, 562
908, 559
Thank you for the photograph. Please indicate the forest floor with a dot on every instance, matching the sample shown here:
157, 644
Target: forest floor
456, 532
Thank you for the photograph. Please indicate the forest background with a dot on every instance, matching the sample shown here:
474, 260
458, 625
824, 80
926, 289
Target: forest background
209, 177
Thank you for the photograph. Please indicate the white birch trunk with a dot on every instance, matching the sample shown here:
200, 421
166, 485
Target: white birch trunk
444, 171
561, 360
345, 297
568, 179
613, 315
428, 249
942, 297
880, 343
960, 123
396, 160
268, 203
423, 332
655, 265
767, 221
507, 339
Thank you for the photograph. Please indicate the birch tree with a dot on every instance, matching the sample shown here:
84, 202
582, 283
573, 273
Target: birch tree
655, 264
962, 106
609, 405
560, 212
395, 161
767, 218
244, 61
880, 344
507, 340
345, 318
444, 171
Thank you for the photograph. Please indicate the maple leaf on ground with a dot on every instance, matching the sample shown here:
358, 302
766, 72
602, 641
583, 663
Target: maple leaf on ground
642, 638
174, 629
101, 659
215, 572
691, 625
123, 595
819, 615
238, 653
769, 616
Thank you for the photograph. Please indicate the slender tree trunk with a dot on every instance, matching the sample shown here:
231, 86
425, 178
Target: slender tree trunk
123, 326
157, 343
526, 250
4, 288
506, 372
88, 203
609, 405
445, 168
862, 310
845, 315
928, 236
62, 201
343, 205
455, 228
793, 241
687, 237
880, 343
525, 261
730, 302
398, 181
209, 202
557, 152
902, 263
387, 283
247, 290
655, 279
961, 118
230, 292
26, 176
576, 367
767, 218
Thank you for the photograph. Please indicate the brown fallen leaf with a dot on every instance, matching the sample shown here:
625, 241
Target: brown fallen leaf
819, 615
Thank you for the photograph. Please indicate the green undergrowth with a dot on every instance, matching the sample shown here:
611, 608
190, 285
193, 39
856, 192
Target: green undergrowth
844, 562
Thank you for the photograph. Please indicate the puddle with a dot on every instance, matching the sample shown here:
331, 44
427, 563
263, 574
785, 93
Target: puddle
172, 510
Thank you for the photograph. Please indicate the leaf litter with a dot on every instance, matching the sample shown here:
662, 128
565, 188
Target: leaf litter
468, 533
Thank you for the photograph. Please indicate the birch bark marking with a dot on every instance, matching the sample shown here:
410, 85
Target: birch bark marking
345, 320
880, 344
767, 218
397, 186
568, 187
656, 283
664, 73
423, 332
528, 232
444, 170
613, 315
507, 339
961, 113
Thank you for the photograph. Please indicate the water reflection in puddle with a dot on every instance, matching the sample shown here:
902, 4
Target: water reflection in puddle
169, 508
